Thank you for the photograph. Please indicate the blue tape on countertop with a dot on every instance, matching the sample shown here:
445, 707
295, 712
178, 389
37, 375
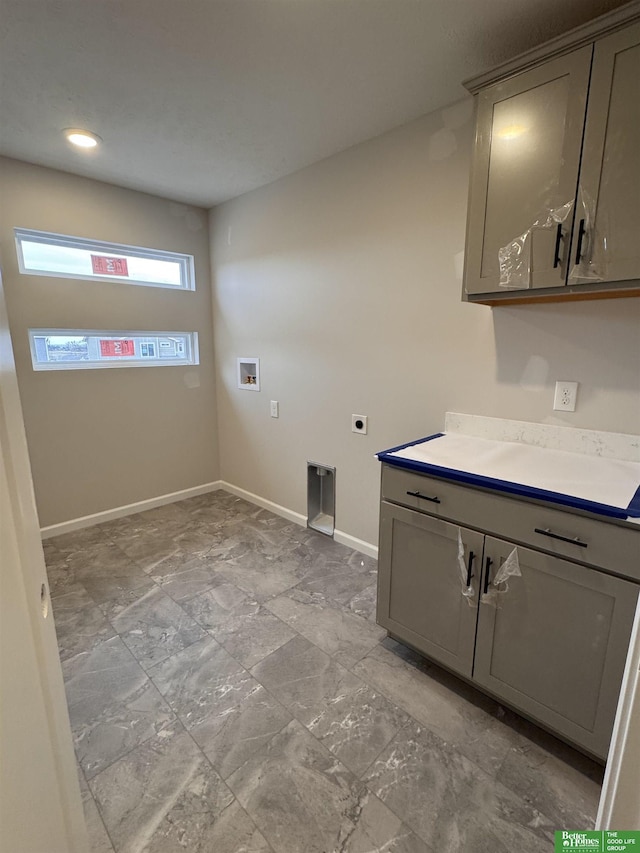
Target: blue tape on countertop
631, 511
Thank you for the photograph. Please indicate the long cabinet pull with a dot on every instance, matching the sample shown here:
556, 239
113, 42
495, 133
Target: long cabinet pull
556, 253
434, 500
551, 535
469, 568
487, 574
581, 232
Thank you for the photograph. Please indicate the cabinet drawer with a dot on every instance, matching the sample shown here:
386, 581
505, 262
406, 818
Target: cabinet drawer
613, 547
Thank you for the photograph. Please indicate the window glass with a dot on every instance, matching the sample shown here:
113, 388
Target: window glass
40, 253
68, 349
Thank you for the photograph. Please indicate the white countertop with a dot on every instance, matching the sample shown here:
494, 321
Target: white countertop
592, 477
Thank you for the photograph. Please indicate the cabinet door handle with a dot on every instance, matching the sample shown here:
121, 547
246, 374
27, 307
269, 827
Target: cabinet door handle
557, 260
551, 535
424, 497
581, 232
487, 575
469, 566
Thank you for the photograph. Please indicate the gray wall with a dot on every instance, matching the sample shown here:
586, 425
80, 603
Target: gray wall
345, 279
100, 439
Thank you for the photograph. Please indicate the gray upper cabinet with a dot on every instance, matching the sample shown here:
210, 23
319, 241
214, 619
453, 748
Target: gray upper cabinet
553, 202
608, 204
529, 134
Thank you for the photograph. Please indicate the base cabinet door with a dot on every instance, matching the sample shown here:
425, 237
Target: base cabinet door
423, 595
552, 641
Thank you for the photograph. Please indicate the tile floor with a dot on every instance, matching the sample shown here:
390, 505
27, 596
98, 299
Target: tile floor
230, 691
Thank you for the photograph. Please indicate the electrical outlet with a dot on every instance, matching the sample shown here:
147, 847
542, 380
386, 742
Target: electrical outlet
275, 409
564, 400
359, 424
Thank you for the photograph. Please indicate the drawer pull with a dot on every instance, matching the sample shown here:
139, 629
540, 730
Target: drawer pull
487, 574
424, 497
547, 532
469, 567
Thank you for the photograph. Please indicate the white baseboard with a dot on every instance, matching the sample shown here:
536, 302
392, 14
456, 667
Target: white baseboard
357, 544
128, 509
275, 508
343, 538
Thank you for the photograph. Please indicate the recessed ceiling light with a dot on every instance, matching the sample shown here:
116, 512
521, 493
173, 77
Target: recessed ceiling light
81, 138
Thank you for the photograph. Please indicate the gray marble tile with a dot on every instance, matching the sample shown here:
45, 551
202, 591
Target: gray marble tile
343, 635
113, 706
80, 624
126, 527
350, 719
102, 556
201, 680
428, 695
364, 603
78, 540
340, 586
175, 512
247, 630
99, 840
452, 804
303, 677
260, 533
300, 797
214, 607
105, 581
299, 788
50, 551
378, 830
62, 580
261, 576
149, 550
231, 736
151, 624
252, 635
356, 726
200, 540
183, 580
566, 795
165, 797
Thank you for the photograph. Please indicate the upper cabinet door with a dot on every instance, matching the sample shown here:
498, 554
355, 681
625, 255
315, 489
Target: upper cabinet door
608, 206
524, 178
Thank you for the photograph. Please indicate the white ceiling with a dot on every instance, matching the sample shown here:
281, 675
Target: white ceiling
202, 100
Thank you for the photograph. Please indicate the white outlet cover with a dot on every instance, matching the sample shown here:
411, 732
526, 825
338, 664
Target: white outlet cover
359, 424
564, 399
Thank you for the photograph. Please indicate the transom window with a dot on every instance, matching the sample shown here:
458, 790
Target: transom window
73, 349
42, 253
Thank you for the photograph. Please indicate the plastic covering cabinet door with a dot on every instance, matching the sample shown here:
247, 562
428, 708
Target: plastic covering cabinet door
608, 206
423, 594
552, 642
525, 171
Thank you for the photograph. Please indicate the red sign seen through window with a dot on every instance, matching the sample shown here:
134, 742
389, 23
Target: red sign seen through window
116, 348
104, 265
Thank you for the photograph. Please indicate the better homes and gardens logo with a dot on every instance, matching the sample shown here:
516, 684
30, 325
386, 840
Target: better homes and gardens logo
572, 840
597, 841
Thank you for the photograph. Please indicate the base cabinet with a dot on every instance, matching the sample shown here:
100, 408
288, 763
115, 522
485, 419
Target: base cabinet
421, 600
552, 642
546, 635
